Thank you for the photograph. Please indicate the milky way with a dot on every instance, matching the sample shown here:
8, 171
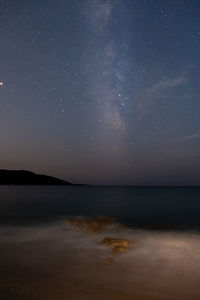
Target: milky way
107, 63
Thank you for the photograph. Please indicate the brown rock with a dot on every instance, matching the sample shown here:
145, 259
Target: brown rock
93, 224
119, 249
108, 260
117, 245
114, 242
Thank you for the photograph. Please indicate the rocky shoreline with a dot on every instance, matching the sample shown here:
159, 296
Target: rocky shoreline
95, 225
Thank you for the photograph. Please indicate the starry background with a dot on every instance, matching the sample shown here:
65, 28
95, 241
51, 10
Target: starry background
101, 91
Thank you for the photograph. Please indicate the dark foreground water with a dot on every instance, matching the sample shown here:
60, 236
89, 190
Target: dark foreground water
45, 257
155, 207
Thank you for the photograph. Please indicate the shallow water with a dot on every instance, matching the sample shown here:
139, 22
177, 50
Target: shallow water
59, 261
42, 256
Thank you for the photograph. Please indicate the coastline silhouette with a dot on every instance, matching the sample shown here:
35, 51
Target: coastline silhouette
23, 177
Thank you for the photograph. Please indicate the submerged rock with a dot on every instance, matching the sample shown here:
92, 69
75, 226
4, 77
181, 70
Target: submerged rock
119, 249
108, 260
92, 224
117, 245
114, 242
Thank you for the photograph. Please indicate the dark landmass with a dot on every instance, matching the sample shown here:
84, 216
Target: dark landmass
22, 177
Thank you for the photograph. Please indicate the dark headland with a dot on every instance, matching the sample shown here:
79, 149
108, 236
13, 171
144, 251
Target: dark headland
22, 177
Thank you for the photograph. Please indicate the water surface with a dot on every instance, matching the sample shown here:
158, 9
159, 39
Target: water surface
150, 207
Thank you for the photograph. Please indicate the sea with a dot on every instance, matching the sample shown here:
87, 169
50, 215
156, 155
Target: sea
43, 256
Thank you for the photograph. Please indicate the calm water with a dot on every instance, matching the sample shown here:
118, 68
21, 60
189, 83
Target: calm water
140, 207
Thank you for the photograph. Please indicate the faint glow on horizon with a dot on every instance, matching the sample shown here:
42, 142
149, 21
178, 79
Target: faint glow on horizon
1, 83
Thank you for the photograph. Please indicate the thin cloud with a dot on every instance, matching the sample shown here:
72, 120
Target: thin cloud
190, 137
167, 83
147, 99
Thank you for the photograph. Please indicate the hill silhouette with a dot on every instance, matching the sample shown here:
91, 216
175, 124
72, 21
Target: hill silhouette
23, 177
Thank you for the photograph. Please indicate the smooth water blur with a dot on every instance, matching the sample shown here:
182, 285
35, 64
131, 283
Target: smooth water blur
45, 257
150, 207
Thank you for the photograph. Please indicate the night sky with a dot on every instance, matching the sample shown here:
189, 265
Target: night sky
101, 91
